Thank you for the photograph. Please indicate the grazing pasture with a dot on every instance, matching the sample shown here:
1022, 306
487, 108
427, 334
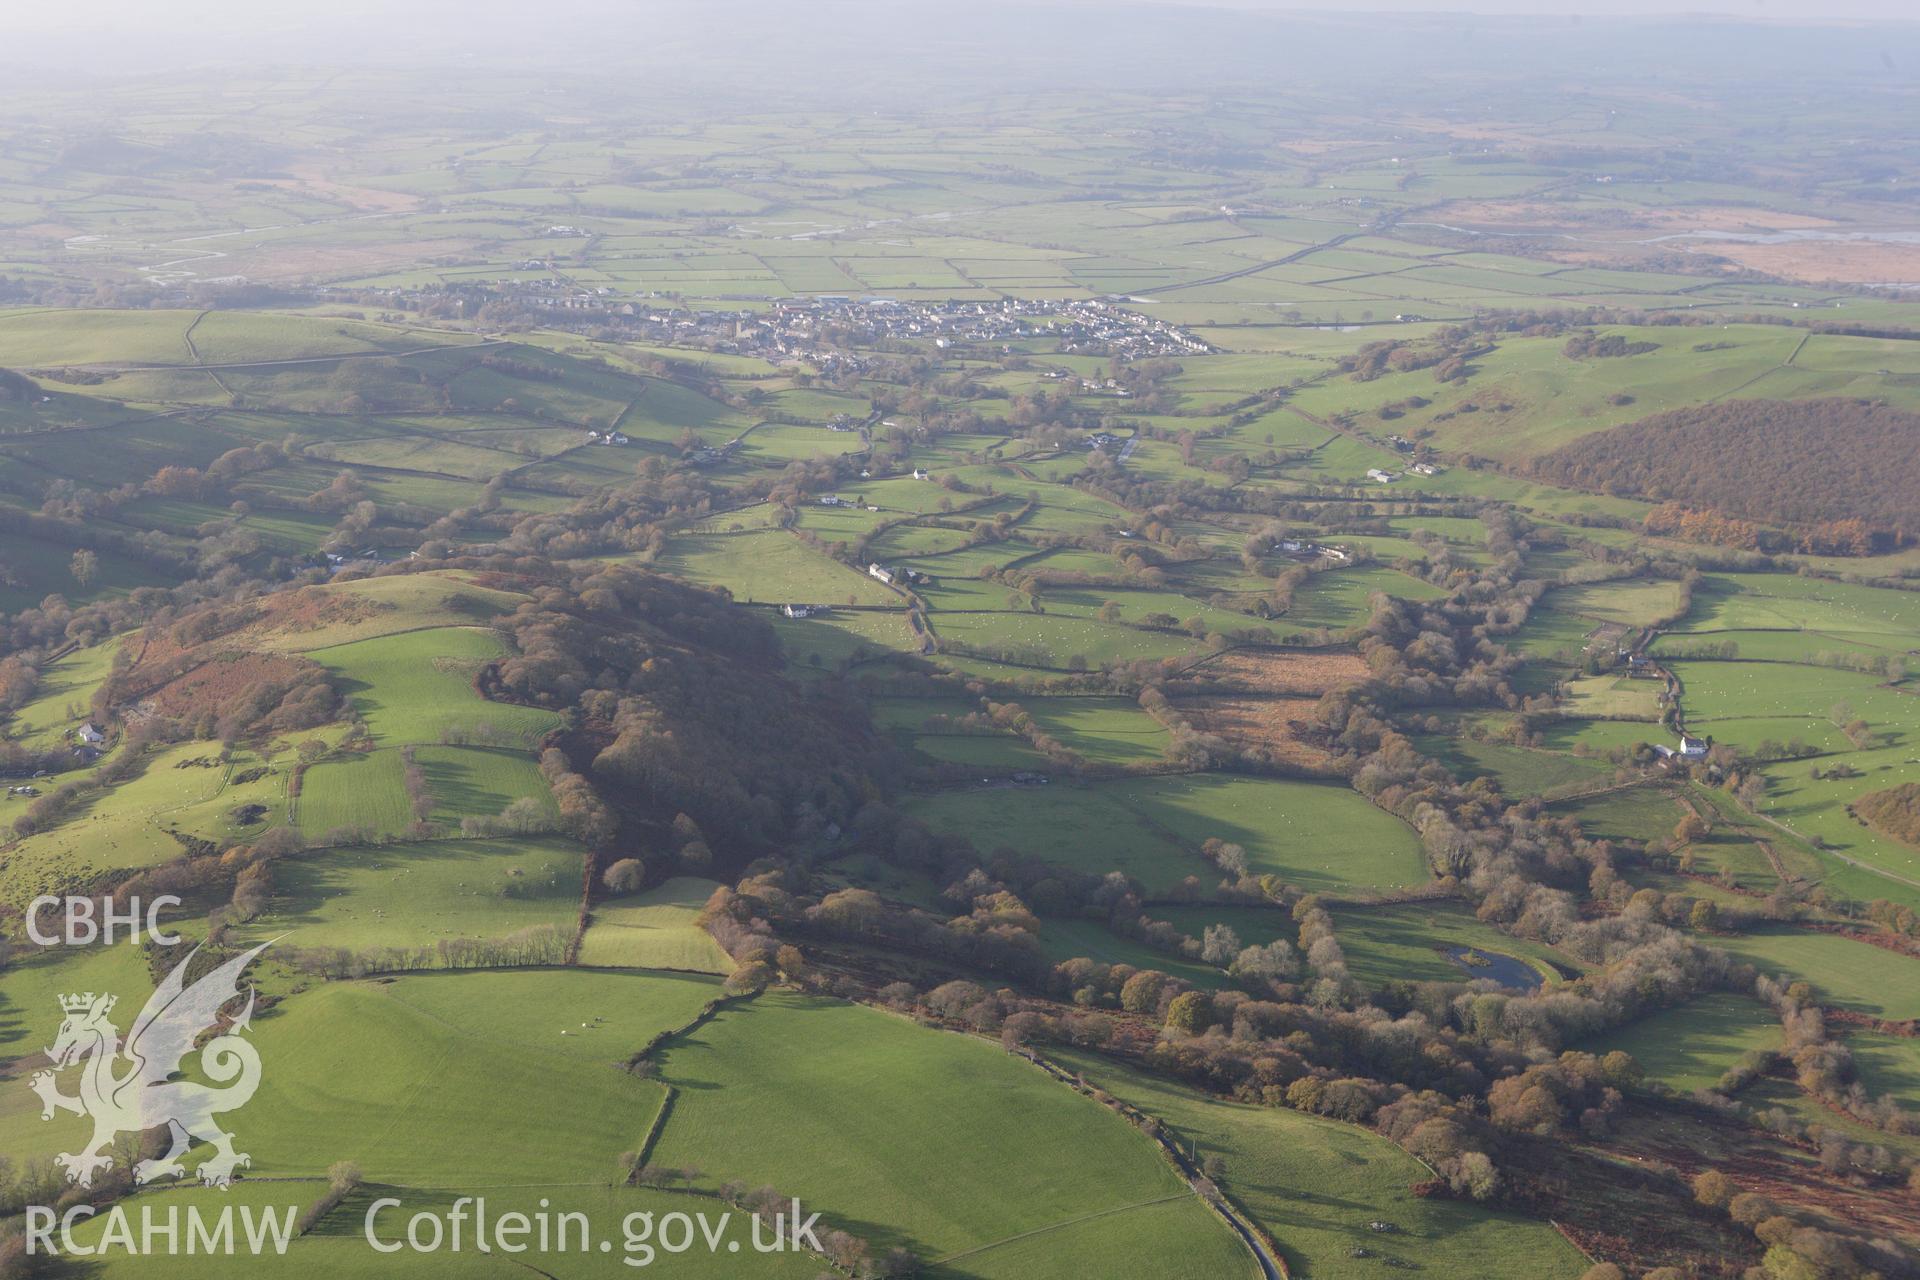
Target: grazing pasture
413, 895
187, 788
1636, 602
417, 687
30, 1017
1101, 730
1321, 837
998, 1150
1690, 1046
656, 929
1520, 771
1886, 1064
771, 567
1317, 1184
337, 1246
63, 697
1086, 828
1407, 942
473, 1037
1846, 974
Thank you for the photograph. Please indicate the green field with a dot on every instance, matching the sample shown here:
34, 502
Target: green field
1886, 1064
771, 567
1100, 730
186, 788
1321, 837
1844, 973
1315, 1185
411, 895
1638, 813
1690, 1046
655, 930
1633, 603
417, 687
1077, 826
423, 1058
815, 1097
1520, 771
337, 1247
63, 697
1404, 943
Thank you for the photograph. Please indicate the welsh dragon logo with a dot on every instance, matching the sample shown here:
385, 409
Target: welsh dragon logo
131, 1089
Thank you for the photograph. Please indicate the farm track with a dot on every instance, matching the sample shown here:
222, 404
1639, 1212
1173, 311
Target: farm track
1857, 864
1272, 1265
1776, 862
194, 351
1258, 267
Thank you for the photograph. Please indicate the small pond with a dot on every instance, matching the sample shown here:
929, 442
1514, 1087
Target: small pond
1491, 965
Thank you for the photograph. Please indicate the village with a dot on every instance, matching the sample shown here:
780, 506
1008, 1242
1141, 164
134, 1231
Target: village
824, 329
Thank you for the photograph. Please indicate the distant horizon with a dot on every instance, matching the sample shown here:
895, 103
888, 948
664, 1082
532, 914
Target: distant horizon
125, 17
1229, 41
1765, 12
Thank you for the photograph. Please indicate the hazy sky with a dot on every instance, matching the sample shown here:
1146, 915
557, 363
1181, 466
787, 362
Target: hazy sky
107, 16
108, 38
1776, 10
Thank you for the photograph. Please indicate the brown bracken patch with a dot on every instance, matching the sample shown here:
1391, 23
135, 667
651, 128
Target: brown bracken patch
1754, 1161
1304, 674
311, 608
1825, 261
223, 677
1276, 724
1261, 700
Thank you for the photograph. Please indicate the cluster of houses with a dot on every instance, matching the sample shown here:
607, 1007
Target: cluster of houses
1379, 476
1088, 326
828, 330
1403, 445
851, 504
339, 560
895, 576
607, 437
1301, 549
1690, 748
1096, 386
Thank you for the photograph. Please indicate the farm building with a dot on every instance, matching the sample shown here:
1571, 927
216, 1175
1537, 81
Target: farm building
799, 610
882, 572
1380, 477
